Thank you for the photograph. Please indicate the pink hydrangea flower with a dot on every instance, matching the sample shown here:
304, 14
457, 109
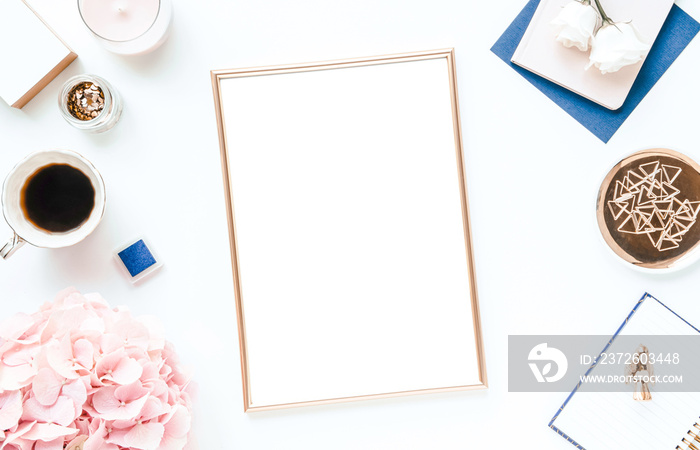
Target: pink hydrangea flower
78, 374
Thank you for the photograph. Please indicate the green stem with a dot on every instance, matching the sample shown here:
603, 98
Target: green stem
604, 16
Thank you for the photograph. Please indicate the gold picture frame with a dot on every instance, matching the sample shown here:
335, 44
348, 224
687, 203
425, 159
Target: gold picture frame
470, 335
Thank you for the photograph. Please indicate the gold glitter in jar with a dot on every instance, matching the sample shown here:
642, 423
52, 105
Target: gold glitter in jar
86, 101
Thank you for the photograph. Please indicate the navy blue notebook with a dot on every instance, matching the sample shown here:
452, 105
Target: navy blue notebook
616, 421
677, 32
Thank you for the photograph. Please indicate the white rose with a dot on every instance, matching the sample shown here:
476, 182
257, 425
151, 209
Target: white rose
575, 24
617, 45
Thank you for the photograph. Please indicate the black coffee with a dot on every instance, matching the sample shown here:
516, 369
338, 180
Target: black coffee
58, 197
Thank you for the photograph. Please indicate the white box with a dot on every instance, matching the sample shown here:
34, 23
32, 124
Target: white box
31, 54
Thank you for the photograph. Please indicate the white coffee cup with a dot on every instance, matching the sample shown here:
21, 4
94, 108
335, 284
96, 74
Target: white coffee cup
24, 229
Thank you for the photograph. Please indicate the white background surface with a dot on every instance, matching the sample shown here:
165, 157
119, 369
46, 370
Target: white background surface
532, 173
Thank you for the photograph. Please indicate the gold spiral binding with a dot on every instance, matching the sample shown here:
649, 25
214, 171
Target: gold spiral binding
694, 443
694, 436
689, 444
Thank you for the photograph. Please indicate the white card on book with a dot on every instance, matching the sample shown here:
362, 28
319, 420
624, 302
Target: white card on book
540, 53
31, 54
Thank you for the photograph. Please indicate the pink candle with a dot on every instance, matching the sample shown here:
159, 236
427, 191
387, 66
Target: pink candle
127, 26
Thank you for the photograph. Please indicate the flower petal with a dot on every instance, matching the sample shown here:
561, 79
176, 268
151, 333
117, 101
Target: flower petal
56, 444
14, 378
96, 440
10, 409
127, 371
131, 392
14, 327
144, 436
60, 357
84, 353
18, 434
154, 408
63, 412
104, 400
47, 386
76, 391
179, 424
48, 432
65, 320
118, 368
110, 407
135, 334
109, 343
20, 355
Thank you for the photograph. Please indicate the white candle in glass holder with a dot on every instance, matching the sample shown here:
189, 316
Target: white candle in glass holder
127, 26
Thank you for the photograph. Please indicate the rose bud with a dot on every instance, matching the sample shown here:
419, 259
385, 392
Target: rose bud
575, 24
617, 45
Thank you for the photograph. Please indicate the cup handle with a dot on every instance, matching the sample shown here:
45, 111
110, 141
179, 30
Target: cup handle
11, 246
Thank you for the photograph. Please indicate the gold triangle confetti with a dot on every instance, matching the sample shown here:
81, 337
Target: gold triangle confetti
646, 202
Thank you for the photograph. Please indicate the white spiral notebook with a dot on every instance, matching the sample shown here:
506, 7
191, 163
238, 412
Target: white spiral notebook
613, 420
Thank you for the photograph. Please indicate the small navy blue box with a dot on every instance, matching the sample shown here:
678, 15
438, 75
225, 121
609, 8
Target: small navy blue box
138, 260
